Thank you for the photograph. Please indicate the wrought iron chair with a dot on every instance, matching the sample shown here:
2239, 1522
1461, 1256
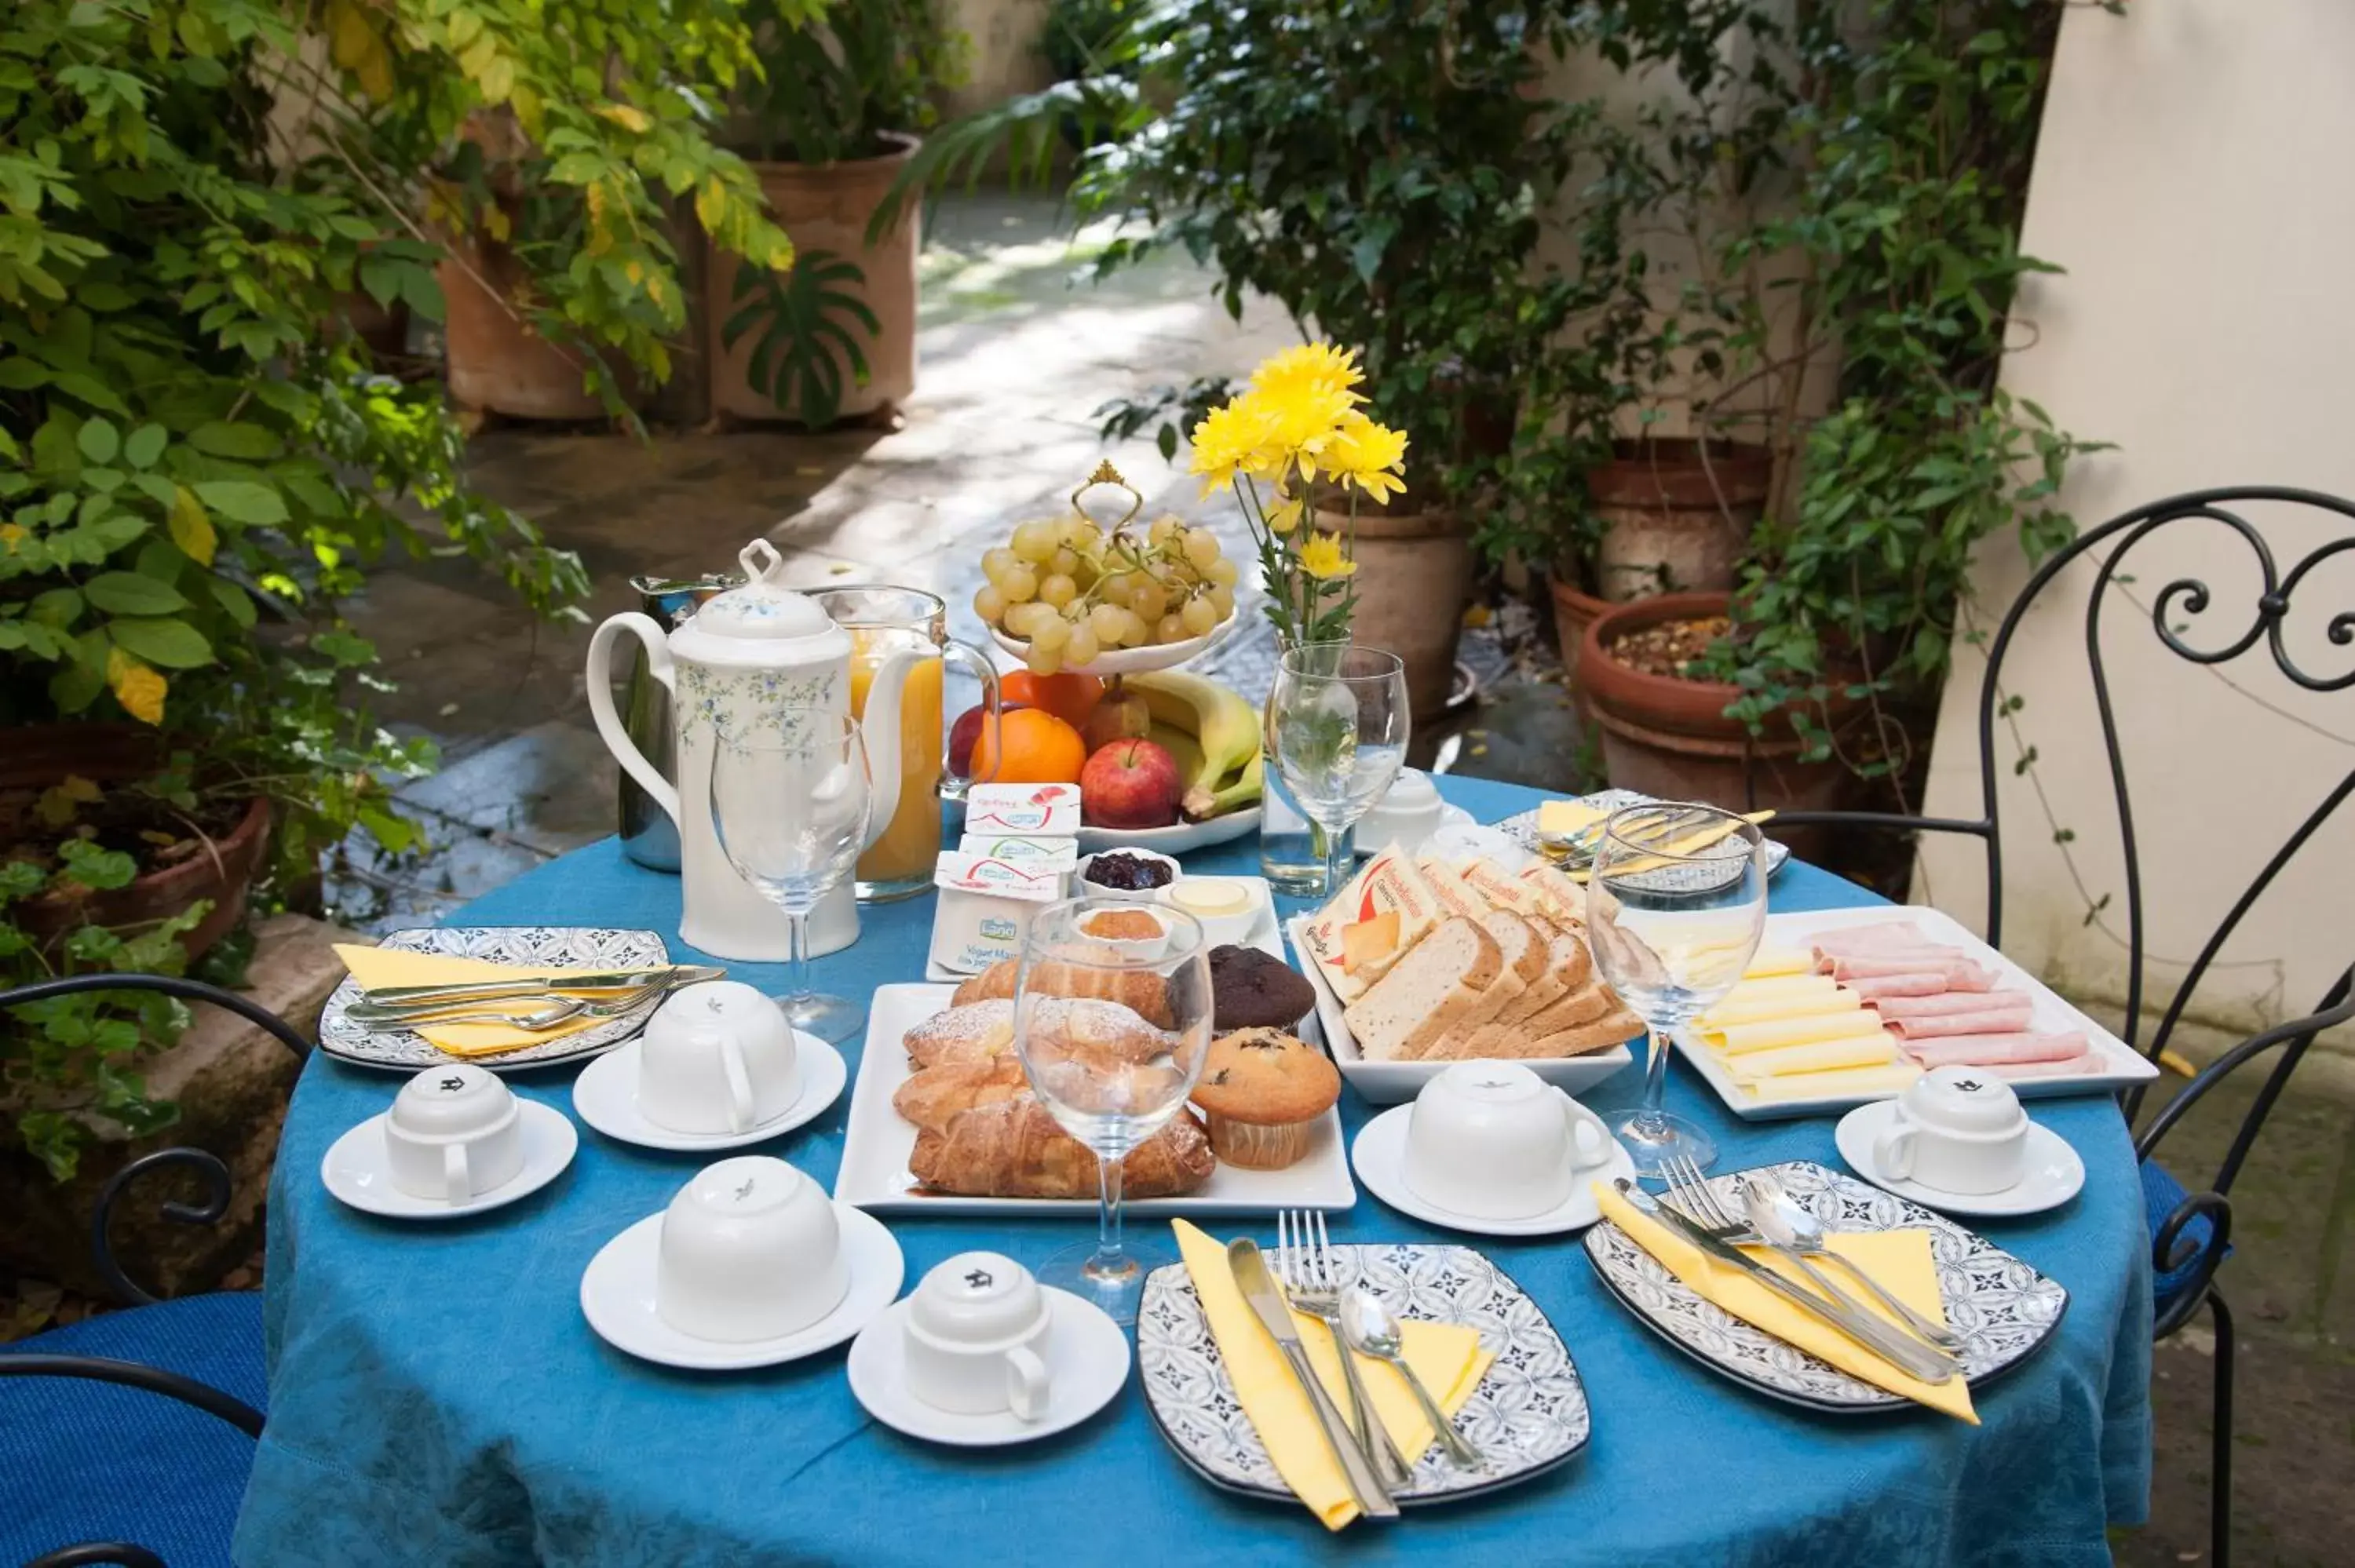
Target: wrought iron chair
2191, 1232
76, 1457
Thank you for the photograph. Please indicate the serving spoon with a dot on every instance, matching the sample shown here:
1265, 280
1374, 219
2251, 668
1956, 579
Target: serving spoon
1371, 1329
1786, 1222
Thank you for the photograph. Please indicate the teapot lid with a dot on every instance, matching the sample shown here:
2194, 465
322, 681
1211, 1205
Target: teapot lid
763, 608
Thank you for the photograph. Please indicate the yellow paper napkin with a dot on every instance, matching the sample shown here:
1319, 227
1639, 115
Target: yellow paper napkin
1899, 1259
374, 967
1447, 1356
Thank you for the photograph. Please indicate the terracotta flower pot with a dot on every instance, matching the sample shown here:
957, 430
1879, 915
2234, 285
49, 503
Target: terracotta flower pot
1414, 569
1671, 738
1574, 609
40, 756
496, 361
825, 208
1672, 521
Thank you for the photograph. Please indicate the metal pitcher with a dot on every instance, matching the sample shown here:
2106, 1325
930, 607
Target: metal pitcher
648, 835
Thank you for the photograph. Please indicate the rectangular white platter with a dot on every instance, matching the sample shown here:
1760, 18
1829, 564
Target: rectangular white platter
876, 1146
2123, 1066
1393, 1083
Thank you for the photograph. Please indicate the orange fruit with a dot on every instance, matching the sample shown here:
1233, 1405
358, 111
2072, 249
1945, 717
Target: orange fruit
1069, 697
1039, 748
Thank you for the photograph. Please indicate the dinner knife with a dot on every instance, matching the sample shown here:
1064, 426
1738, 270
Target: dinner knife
556, 982
1915, 1360
1267, 1302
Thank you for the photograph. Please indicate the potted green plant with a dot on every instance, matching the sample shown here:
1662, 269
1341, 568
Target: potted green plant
832, 124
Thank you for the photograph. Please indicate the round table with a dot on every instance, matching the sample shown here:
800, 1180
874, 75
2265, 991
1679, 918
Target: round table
437, 1397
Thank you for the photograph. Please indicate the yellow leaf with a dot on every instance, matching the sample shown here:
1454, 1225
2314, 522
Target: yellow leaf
348, 34
375, 72
497, 80
628, 116
477, 57
139, 689
526, 104
710, 202
191, 529
465, 27
495, 223
634, 273
9, 534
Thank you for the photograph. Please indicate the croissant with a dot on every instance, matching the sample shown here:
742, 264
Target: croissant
1014, 1149
932, 1097
973, 1033
1140, 991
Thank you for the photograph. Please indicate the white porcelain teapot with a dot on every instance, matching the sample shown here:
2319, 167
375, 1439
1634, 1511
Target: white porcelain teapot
730, 666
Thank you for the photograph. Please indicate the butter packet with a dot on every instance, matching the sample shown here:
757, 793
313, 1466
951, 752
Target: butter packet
1019, 846
1027, 810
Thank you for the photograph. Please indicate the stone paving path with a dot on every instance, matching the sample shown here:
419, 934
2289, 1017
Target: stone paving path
1015, 358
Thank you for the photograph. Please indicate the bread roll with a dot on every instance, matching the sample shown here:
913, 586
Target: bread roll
973, 1033
934, 1098
1014, 1149
1144, 993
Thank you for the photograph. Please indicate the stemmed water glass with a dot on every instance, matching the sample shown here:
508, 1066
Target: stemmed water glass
1675, 903
790, 804
1338, 722
1110, 1075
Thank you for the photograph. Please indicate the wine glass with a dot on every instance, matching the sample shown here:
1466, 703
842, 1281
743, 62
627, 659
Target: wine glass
1337, 730
789, 803
1673, 921
1112, 1035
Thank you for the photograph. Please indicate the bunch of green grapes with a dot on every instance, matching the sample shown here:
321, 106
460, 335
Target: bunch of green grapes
1073, 592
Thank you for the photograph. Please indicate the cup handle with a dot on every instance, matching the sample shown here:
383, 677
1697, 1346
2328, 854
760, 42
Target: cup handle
610, 727
1894, 1150
953, 784
1589, 1135
739, 1084
1026, 1384
457, 1181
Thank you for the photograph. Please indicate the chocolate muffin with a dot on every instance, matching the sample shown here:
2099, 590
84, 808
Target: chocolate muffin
1253, 990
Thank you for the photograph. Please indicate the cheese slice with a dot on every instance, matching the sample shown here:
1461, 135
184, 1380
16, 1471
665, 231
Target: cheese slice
1455, 896
1765, 965
1501, 889
1740, 1009
1740, 1039
1819, 1056
1387, 882
1844, 1083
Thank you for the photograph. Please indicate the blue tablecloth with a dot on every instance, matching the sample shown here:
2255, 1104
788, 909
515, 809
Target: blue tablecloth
435, 1396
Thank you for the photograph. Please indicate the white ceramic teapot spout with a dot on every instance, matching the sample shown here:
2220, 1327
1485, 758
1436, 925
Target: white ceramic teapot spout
744, 656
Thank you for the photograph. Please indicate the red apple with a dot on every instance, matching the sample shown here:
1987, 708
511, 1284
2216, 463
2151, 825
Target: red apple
965, 732
1130, 784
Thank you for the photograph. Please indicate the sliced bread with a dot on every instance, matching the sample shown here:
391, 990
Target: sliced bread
1615, 1025
1569, 969
1422, 995
1526, 953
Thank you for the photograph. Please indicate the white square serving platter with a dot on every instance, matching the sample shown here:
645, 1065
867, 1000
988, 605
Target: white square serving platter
2122, 1065
1394, 1083
875, 1149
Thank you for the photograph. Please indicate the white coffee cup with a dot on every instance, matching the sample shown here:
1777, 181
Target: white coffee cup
454, 1133
1492, 1140
977, 1337
750, 1249
717, 1058
1958, 1129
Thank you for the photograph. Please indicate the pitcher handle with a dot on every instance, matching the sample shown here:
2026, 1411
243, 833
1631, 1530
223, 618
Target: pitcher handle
953, 784
648, 631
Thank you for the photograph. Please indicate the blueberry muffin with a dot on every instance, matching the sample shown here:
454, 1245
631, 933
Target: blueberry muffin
1261, 1092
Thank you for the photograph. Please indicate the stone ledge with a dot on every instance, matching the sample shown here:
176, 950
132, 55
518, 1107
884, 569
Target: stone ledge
232, 1080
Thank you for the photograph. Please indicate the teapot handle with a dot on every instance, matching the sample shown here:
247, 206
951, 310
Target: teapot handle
646, 629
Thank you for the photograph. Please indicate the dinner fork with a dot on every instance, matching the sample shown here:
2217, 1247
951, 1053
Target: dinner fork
563, 1010
1312, 1283
1691, 1192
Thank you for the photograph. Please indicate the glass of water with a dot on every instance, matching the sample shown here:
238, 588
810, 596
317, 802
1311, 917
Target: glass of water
1111, 1032
1337, 730
1675, 904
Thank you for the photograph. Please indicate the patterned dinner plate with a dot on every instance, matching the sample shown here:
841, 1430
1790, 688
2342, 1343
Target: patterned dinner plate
550, 947
2004, 1309
1528, 1415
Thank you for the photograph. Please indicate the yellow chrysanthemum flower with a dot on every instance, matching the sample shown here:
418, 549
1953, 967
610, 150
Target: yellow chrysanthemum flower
1310, 365
1302, 418
1234, 437
1285, 516
1321, 558
1366, 454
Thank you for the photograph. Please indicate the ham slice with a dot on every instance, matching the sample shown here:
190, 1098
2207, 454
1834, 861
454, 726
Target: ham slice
1960, 972
1922, 982
2091, 1062
1892, 1008
1998, 1050
2002, 1014
1888, 936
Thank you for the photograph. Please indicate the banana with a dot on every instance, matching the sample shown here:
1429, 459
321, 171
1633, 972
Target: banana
1243, 790
1183, 749
1225, 725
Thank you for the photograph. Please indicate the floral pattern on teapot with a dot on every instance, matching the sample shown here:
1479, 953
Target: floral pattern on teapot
744, 702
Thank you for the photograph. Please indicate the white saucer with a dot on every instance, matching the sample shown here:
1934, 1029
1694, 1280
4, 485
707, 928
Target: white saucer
1087, 1360
617, 1296
1379, 1157
356, 1170
2054, 1171
605, 1095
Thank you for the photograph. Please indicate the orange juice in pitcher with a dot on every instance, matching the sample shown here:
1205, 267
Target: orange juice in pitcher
882, 620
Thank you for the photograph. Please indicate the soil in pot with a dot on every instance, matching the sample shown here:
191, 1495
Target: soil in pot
71, 780
780, 348
1665, 734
